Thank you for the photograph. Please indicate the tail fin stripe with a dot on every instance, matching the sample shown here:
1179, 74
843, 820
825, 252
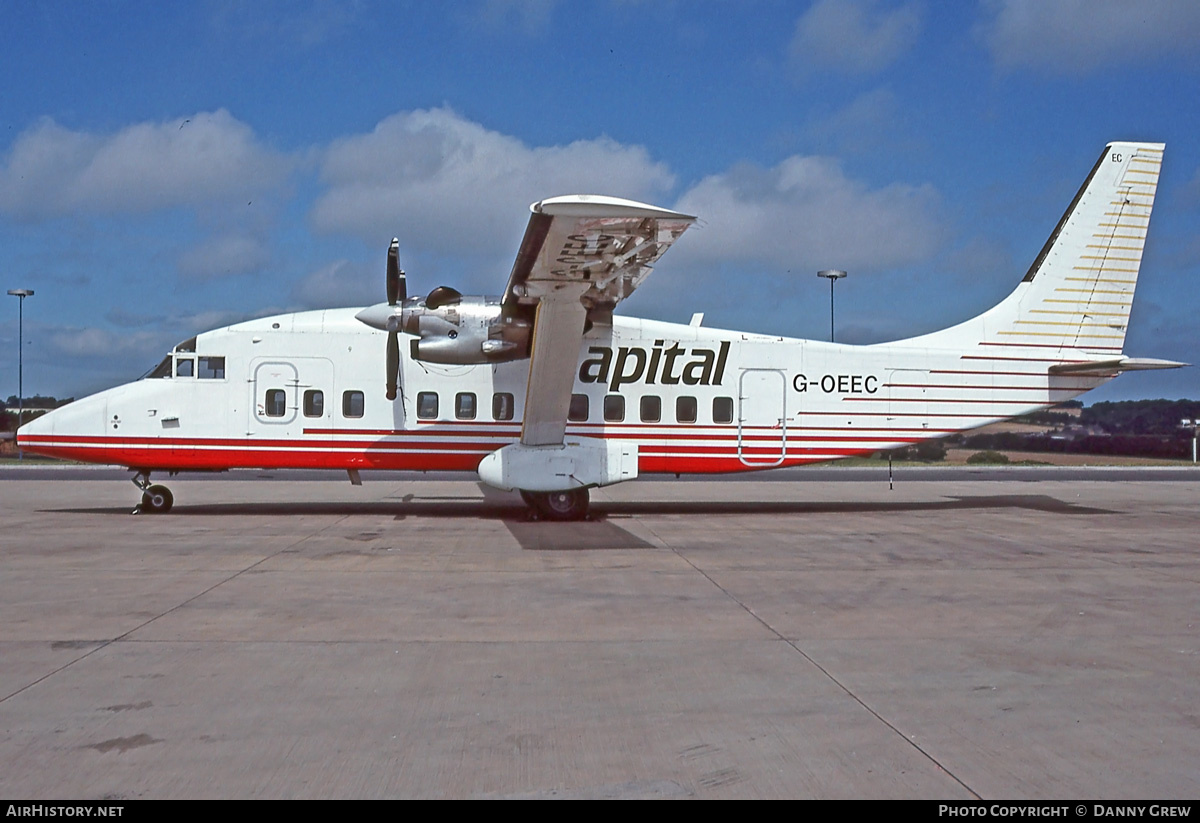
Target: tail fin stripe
1079, 313
1077, 294
1079, 324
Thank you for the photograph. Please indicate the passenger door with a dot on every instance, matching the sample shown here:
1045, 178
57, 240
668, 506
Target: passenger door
291, 399
762, 417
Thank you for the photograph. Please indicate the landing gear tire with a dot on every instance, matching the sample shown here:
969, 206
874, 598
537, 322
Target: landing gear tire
558, 506
156, 500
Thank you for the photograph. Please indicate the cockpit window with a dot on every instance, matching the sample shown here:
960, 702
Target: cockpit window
163, 369
185, 367
187, 345
211, 368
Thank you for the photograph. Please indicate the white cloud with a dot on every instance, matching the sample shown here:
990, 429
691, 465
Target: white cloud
225, 254
1077, 36
863, 124
340, 284
209, 157
445, 184
806, 213
1191, 190
292, 23
126, 319
93, 343
532, 17
853, 36
984, 260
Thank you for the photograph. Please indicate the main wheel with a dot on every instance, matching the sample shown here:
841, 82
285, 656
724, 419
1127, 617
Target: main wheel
565, 505
157, 500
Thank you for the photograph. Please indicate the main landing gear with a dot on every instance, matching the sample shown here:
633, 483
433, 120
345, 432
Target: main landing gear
156, 499
565, 505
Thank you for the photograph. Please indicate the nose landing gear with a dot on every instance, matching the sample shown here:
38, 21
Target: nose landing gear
156, 499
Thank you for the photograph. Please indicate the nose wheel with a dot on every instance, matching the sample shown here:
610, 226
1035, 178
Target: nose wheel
156, 499
559, 506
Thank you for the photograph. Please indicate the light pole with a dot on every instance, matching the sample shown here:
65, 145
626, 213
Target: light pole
1194, 425
833, 275
20, 294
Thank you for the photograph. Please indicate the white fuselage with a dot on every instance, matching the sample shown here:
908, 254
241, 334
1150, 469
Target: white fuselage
305, 391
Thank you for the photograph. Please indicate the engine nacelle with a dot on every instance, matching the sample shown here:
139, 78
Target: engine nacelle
467, 331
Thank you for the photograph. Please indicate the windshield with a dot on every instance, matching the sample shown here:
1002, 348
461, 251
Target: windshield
163, 369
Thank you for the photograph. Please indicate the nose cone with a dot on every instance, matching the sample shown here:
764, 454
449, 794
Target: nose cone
380, 316
82, 418
34, 428
39, 435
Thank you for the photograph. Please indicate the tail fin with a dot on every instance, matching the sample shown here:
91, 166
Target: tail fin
1078, 292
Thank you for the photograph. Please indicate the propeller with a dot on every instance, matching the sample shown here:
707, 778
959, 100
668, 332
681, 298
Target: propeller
397, 291
393, 321
397, 283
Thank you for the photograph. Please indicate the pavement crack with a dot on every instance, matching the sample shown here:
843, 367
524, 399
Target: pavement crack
828, 674
104, 644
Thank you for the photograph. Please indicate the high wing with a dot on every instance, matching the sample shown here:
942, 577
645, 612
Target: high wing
581, 255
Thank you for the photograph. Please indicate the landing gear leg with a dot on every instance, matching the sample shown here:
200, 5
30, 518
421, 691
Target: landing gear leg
564, 505
155, 499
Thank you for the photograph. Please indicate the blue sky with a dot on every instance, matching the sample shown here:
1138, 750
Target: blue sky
170, 168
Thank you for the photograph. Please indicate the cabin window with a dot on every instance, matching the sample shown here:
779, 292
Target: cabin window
579, 408
276, 405
722, 409
314, 403
651, 408
185, 367
427, 405
503, 406
614, 408
464, 405
353, 404
211, 368
685, 410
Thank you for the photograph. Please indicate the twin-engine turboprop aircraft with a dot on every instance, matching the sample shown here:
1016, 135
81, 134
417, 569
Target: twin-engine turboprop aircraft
544, 391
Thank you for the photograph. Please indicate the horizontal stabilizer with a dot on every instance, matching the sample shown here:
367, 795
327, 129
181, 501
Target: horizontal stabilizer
1116, 364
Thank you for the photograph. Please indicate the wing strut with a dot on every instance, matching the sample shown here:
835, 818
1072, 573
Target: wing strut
557, 334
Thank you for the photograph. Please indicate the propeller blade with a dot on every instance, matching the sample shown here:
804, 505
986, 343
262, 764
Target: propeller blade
393, 363
397, 286
442, 296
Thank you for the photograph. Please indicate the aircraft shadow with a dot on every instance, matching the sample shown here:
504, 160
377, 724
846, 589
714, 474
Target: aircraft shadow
515, 511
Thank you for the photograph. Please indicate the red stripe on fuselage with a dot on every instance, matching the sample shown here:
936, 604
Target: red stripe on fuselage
720, 455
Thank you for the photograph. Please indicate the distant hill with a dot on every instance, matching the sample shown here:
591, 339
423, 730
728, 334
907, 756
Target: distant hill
38, 401
1140, 416
1133, 428
34, 406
